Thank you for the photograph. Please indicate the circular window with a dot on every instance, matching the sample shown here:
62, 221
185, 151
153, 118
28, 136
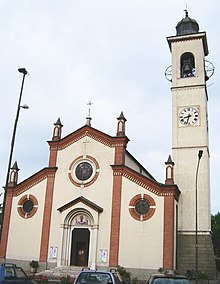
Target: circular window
83, 171
142, 207
27, 206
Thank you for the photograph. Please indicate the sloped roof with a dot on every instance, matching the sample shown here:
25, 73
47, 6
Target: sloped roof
83, 200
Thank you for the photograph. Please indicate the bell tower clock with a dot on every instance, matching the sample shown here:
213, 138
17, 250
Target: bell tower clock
188, 74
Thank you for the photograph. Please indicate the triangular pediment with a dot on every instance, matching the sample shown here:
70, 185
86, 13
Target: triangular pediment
82, 132
84, 201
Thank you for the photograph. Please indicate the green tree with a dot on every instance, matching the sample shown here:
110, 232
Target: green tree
215, 223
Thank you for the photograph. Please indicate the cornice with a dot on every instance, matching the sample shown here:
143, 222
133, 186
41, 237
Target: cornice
83, 200
150, 185
190, 37
89, 132
196, 86
33, 180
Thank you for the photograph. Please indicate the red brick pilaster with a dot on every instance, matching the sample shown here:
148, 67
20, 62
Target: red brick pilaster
53, 153
115, 219
120, 149
119, 155
47, 217
6, 222
168, 242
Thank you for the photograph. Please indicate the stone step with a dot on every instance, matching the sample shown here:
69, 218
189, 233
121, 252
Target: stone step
59, 272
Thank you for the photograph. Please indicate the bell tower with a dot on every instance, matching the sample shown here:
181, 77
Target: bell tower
190, 137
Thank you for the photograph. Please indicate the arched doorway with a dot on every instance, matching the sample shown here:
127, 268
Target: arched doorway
80, 247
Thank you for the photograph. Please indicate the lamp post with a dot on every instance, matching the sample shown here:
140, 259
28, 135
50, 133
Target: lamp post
196, 241
24, 72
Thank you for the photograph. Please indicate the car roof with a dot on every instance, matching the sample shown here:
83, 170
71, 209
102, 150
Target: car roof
164, 275
98, 271
102, 271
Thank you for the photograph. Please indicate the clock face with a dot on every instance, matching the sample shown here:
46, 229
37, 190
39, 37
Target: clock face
189, 116
84, 171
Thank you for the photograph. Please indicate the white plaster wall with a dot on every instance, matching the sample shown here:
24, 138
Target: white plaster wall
141, 243
100, 192
25, 234
190, 135
185, 173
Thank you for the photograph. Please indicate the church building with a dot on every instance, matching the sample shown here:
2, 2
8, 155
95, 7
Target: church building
96, 206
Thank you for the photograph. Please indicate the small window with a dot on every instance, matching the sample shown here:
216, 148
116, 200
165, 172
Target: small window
27, 206
187, 65
142, 207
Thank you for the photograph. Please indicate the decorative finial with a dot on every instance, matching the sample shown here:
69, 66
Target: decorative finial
169, 161
13, 179
121, 125
57, 130
169, 171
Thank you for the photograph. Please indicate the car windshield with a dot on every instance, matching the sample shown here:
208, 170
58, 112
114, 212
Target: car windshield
171, 281
20, 273
14, 272
94, 278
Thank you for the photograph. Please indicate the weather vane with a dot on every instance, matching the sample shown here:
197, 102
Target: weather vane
89, 104
186, 11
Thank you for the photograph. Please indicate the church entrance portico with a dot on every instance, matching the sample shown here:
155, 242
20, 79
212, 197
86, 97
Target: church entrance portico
79, 239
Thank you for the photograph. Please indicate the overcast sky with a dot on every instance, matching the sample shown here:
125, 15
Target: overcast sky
110, 52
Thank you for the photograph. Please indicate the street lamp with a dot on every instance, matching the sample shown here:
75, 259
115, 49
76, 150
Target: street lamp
24, 72
196, 242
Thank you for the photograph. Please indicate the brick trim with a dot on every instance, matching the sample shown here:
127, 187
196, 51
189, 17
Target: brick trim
53, 154
145, 182
45, 234
94, 177
20, 206
133, 211
115, 221
33, 180
6, 222
168, 242
89, 132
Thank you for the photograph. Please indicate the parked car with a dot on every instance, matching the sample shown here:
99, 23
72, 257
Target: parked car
168, 278
11, 273
87, 276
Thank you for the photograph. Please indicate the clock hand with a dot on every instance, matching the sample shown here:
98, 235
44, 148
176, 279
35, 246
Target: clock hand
188, 117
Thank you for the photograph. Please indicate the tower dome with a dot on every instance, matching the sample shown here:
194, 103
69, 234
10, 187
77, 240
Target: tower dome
187, 26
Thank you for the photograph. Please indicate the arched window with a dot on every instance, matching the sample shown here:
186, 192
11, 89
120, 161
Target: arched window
187, 64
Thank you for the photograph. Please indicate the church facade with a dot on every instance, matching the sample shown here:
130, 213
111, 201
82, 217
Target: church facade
95, 205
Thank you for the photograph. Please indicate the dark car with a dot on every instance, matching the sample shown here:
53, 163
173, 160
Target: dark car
11, 273
87, 276
167, 278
